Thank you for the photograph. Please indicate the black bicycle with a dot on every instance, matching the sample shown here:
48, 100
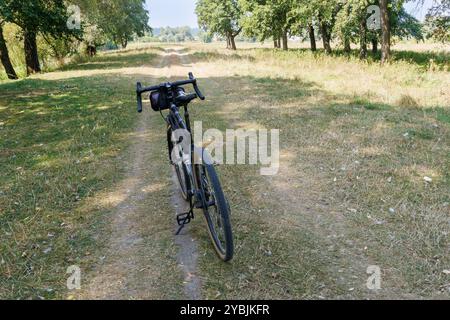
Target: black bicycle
195, 170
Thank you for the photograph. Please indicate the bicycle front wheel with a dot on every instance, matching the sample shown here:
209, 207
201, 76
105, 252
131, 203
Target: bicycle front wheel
216, 211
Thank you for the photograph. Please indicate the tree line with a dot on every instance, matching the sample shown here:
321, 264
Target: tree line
176, 34
344, 21
101, 22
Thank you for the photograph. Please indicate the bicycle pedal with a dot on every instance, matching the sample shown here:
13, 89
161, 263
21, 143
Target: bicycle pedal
184, 218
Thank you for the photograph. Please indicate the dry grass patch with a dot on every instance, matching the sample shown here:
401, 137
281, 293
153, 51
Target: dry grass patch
346, 194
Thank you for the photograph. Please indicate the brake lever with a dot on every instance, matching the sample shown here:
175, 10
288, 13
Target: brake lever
196, 88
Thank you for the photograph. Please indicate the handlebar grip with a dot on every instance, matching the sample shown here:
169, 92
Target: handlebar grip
139, 97
196, 88
199, 94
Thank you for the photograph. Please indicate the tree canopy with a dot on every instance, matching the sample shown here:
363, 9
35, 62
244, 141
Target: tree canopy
122, 19
102, 21
220, 17
437, 21
36, 16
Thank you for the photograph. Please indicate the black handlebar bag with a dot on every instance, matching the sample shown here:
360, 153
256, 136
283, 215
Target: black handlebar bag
159, 100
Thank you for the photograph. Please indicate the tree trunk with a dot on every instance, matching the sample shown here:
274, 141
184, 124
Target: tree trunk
325, 37
228, 41
275, 43
362, 38
91, 50
347, 45
278, 43
31, 52
124, 43
374, 46
233, 43
285, 41
385, 32
312, 38
4, 57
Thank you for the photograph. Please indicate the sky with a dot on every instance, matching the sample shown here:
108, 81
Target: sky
173, 13
177, 13
418, 12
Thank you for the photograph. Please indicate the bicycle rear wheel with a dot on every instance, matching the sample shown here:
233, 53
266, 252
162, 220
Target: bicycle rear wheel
216, 211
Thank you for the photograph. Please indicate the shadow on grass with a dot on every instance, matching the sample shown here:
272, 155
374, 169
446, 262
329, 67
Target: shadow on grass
134, 50
112, 61
441, 60
212, 55
59, 144
342, 151
125, 59
57, 133
60, 135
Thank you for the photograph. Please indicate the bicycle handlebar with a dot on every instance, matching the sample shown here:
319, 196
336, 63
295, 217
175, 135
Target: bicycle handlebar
192, 80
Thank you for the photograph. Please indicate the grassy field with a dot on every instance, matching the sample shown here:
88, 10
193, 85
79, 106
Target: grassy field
63, 136
358, 142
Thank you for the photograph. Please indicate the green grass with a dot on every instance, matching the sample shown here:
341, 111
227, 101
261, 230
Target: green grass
111, 61
59, 146
343, 147
357, 140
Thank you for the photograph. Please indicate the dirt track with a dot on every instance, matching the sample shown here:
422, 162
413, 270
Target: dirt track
127, 269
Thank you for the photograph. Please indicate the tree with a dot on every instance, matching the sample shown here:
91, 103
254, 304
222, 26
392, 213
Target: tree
265, 19
112, 21
303, 16
36, 16
438, 28
60, 48
437, 21
205, 37
178, 34
220, 17
351, 26
4, 56
405, 26
324, 14
385, 31
392, 14
123, 19
312, 37
327, 12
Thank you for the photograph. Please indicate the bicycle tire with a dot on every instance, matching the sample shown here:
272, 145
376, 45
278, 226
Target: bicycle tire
225, 248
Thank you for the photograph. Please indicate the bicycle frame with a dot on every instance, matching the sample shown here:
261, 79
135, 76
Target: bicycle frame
195, 171
176, 122
197, 156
